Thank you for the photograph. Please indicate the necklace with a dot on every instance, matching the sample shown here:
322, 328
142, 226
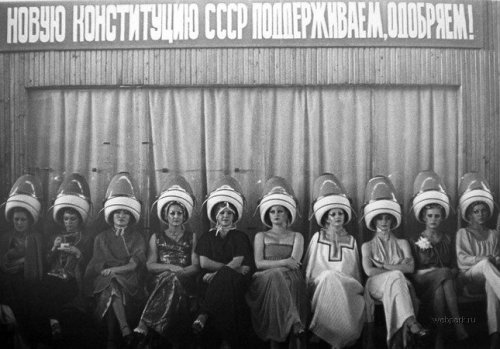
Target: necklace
175, 235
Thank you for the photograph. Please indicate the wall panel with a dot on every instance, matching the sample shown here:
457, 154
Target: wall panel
475, 71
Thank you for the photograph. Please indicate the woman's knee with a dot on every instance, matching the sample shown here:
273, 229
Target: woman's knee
484, 263
396, 275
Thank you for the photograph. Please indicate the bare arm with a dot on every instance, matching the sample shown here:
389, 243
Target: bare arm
195, 260
260, 262
367, 260
291, 263
152, 264
408, 264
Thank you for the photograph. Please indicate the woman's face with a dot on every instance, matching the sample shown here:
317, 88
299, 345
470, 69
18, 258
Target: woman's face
225, 218
336, 217
121, 218
71, 222
479, 214
383, 222
433, 218
175, 215
278, 215
21, 221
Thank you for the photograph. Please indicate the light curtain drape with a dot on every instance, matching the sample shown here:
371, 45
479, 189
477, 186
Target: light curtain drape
249, 133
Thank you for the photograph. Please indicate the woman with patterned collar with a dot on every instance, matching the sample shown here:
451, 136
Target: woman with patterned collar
277, 295
114, 272
333, 269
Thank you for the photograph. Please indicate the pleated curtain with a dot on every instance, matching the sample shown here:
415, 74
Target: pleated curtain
251, 134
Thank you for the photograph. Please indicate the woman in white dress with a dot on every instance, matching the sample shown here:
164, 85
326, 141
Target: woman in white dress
478, 248
332, 268
386, 260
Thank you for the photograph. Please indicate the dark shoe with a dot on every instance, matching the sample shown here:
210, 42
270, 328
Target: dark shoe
140, 340
418, 331
128, 341
56, 330
199, 324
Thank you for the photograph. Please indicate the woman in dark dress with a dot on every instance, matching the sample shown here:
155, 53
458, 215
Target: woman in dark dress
227, 261
434, 277
21, 252
68, 254
114, 272
174, 264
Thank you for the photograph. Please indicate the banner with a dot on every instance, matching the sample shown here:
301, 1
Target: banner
63, 25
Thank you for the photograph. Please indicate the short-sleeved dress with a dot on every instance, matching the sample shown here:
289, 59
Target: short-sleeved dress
334, 280
112, 250
277, 297
439, 257
224, 296
167, 309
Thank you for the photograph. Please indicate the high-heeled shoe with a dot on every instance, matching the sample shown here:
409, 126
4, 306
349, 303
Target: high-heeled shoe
418, 331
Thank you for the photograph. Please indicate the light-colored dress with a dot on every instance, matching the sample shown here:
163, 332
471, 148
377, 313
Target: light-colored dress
477, 271
391, 287
333, 277
277, 297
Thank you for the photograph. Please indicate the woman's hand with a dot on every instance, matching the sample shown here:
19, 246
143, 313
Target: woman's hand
71, 250
175, 268
292, 264
208, 277
377, 264
57, 242
108, 272
244, 269
497, 261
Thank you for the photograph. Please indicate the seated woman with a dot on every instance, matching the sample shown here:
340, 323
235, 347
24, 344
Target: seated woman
68, 255
21, 252
113, 273
333, 270
172, 261
478, 248
385, 261
277, 295
227, 261
434, 278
